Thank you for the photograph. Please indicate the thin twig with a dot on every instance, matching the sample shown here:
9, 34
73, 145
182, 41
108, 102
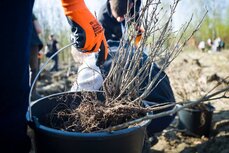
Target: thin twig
171, 112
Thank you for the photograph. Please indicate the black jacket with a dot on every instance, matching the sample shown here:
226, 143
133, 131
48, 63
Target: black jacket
113, 29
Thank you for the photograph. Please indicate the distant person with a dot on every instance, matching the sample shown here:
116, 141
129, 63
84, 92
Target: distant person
221, 44
201, 46
209, 42
216, 45
218, 40
35, 46
53, 47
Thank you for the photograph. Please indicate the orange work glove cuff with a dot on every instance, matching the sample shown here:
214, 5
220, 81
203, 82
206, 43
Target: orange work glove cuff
72, 5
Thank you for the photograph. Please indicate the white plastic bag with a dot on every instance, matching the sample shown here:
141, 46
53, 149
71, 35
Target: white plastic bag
89, 76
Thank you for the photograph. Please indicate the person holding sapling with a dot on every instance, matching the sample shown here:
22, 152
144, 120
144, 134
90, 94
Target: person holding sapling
112, 17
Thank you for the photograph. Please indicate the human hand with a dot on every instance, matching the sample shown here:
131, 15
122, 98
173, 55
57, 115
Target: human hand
87, 33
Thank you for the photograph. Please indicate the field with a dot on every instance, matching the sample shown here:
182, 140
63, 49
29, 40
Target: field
192, 74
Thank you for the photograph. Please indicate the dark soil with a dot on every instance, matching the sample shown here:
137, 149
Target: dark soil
91, 116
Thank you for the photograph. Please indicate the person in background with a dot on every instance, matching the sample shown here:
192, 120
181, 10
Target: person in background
215, 45
35, 46
209, 44
112, 17
201, 46
53, 47
221, 44
15, 52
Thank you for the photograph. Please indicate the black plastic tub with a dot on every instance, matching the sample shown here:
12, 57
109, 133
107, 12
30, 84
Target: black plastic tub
49, 140
196, 121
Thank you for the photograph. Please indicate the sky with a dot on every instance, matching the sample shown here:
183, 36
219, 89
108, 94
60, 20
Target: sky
49, 7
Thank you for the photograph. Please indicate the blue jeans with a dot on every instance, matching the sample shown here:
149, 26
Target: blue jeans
15, 28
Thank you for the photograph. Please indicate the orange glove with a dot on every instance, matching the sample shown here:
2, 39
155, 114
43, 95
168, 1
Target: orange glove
138, 38
139, 35
88, 34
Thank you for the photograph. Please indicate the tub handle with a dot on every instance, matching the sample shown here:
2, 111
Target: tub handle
42, 68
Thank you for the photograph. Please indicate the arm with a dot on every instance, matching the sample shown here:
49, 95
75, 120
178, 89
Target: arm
57, 44
36, 24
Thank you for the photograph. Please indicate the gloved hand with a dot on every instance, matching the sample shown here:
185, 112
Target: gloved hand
139, 35
88, 34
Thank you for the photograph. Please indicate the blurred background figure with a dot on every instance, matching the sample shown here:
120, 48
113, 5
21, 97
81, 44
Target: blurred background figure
221, 44
217, 45
201, 46
209, 44
53, 47
35, 46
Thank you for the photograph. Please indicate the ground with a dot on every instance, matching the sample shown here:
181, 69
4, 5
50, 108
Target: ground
192, 74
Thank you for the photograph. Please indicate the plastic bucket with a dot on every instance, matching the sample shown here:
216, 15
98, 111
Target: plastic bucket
49, 140
196, 121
